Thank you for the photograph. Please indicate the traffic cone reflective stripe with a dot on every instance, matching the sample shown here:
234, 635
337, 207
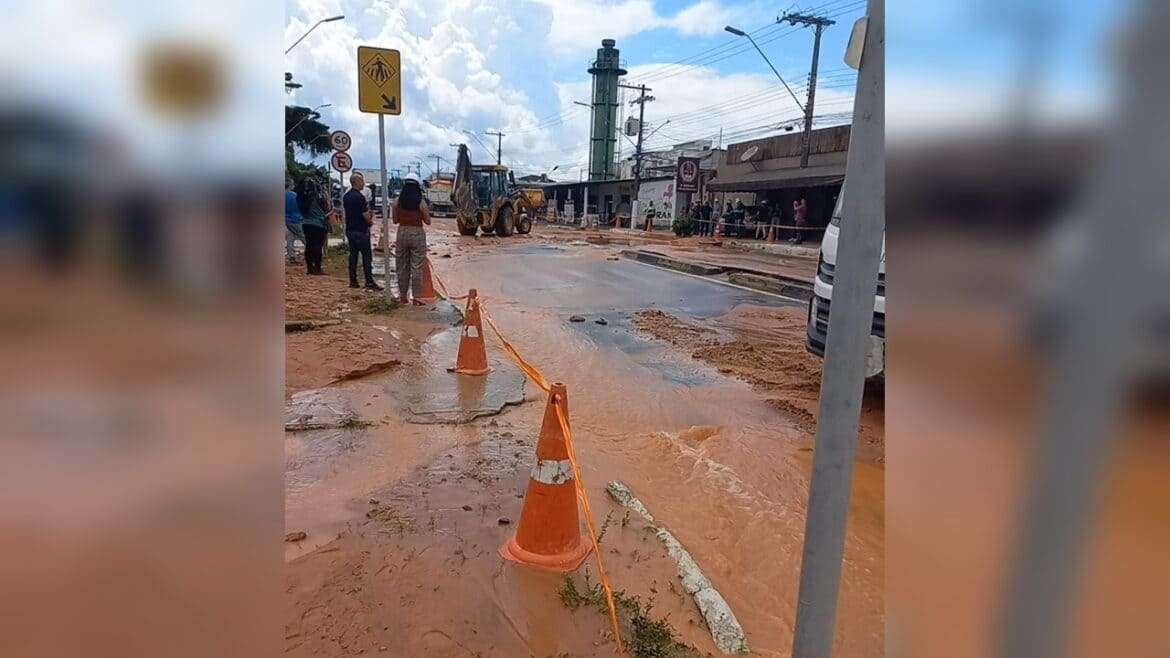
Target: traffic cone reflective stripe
472, 358
427, 288
548, 535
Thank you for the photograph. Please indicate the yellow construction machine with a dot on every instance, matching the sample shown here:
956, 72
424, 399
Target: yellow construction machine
486, 199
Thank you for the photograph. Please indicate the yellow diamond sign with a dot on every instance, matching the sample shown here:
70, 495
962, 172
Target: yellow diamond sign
379, 80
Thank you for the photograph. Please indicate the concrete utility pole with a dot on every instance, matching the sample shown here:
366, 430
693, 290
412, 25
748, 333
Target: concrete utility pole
819, 24
641, 101
843, 374
437, 158
499, 144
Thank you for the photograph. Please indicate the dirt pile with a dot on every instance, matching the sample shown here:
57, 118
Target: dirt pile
764, 346
332, 335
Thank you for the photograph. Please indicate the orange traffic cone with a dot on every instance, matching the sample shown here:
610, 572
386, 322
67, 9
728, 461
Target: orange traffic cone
427, 289
472, 359
549, 535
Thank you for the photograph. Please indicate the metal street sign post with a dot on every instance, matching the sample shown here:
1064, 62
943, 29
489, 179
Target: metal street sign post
380, 92
843, 374
341, 141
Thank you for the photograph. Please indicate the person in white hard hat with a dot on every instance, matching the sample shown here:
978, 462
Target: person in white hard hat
410, 214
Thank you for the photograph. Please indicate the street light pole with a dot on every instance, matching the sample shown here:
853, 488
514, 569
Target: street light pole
323, 20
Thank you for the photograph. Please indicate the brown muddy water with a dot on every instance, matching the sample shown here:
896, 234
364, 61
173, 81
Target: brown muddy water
724, 471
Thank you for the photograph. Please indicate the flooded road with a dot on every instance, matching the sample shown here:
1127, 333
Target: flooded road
724, 471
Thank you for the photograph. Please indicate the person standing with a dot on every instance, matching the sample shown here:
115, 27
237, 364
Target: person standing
410, 214
315, 212
705, 219
761, 219
292, 222
358, 220
799, 216
649, 212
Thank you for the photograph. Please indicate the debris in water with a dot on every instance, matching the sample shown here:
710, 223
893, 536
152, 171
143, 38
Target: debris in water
299, 535
374, 501
503, 520
576, 318
698, 433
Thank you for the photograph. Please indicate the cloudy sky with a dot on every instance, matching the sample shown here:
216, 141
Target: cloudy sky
518, 65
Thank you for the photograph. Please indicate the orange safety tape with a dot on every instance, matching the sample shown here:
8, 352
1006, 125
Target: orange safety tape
442, 289
539, 379
564, 422
535, 375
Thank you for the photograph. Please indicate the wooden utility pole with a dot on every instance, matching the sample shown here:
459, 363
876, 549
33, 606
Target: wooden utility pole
499, 144
819, 24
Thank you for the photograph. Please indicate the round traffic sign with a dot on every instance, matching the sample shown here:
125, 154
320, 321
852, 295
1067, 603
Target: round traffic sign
341, 161
339, 140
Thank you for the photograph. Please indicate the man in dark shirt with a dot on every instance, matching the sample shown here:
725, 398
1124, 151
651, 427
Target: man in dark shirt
358, 219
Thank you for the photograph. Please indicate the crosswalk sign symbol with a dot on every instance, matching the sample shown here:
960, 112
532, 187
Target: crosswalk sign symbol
379, 80
379, 71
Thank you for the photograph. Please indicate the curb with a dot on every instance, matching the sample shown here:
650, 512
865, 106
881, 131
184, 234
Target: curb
796, 289
671, 263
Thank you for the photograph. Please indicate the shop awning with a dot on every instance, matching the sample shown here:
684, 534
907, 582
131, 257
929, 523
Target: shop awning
775, 179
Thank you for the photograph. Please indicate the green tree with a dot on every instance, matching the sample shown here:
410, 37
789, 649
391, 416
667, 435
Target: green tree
305, 132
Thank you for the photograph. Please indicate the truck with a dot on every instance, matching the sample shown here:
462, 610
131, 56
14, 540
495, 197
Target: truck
438, 195
818, 305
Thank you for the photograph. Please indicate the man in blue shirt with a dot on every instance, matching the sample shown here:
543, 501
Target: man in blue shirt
292, 222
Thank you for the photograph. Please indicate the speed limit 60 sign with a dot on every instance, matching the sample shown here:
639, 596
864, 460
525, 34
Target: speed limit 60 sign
339, 140
341, 161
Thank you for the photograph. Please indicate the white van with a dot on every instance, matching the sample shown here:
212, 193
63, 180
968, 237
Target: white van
818, 306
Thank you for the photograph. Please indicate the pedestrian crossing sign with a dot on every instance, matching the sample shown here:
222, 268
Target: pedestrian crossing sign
379, 80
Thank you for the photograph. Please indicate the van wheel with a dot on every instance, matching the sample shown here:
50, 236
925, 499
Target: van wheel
504, 222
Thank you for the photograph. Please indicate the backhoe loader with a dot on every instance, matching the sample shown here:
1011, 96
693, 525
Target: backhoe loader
486, 199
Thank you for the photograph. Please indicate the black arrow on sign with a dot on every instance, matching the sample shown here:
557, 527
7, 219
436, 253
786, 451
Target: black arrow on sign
389, 103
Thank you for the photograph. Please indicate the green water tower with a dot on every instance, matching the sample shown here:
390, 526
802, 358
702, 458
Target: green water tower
606, 70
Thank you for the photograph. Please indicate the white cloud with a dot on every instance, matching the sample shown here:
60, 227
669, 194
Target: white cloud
483, 65
580, 25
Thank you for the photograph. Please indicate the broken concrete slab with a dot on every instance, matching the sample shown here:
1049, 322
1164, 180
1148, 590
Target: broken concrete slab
726, 632
321, 408
778, 286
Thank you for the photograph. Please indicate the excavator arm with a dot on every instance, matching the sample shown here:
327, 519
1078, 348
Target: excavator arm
463, 193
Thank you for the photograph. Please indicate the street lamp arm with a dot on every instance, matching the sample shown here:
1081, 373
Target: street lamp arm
313, 114
741, 33
323, 20
657, 129
790, 92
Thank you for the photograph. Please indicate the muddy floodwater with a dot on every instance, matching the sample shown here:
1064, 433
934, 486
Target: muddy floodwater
407, 505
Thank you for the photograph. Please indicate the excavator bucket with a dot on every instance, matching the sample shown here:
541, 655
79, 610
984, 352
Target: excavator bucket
463, 193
